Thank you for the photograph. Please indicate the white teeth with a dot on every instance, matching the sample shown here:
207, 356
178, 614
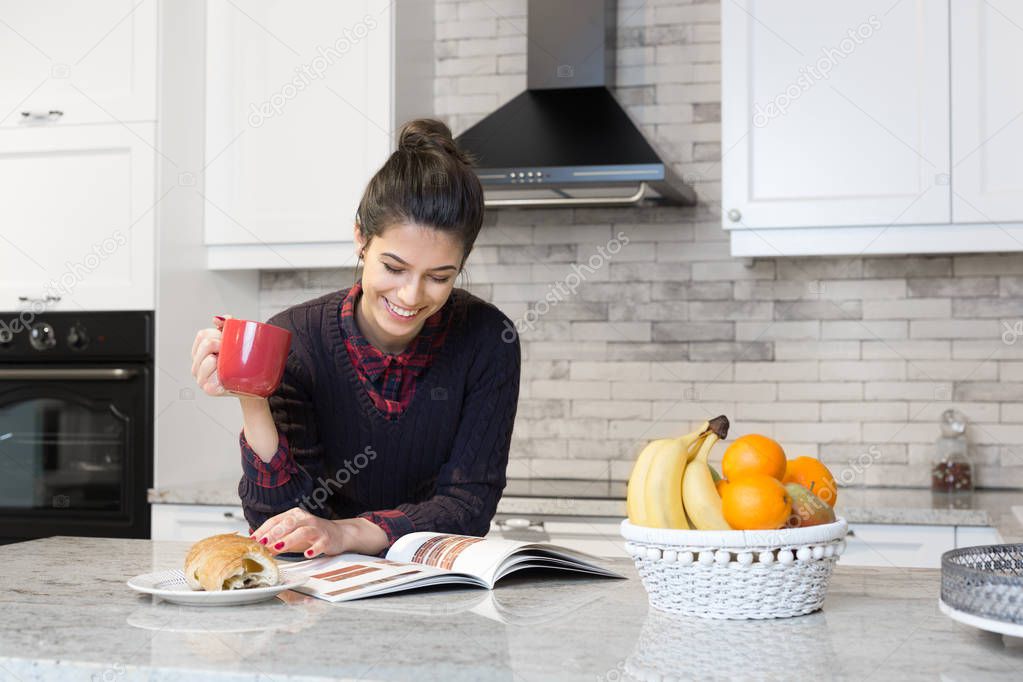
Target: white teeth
400, 311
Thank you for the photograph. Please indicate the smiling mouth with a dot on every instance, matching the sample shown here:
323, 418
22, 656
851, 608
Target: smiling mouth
400, 313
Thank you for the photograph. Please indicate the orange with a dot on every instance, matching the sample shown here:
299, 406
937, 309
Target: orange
753, 454
719, 482
810, 473
756, 502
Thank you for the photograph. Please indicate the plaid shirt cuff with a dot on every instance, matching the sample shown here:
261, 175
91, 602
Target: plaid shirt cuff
272, 474
394, 523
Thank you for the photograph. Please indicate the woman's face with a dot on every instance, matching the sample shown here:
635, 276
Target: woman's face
409, 273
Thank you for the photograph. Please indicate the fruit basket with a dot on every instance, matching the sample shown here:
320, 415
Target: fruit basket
736, 574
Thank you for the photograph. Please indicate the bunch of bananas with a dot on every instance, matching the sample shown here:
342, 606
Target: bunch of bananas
671, 485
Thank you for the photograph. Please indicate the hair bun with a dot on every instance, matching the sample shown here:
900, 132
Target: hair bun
426, 135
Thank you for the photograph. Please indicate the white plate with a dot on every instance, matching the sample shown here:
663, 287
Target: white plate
171, 586
989, 624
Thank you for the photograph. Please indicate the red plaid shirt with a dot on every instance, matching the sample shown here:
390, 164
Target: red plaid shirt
390, 380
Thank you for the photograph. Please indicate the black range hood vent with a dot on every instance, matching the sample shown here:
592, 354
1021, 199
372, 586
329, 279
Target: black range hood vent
565, 141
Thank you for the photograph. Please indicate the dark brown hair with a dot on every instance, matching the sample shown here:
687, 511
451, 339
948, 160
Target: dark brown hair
427, 181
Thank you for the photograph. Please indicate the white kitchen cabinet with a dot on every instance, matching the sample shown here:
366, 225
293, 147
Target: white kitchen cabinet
908, 546
971, 536
866, 145
987, 178
78, 222
871, 127
299, 118
95, 62
193, 522
904, 546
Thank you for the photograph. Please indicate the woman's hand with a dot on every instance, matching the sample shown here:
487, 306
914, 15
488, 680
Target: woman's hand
296, 530
204, 357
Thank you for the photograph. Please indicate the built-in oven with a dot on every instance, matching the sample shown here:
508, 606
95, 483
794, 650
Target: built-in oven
76, 424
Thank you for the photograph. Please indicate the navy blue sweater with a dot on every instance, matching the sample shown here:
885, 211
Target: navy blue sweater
441, 463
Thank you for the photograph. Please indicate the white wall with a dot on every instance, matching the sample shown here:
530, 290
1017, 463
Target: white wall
196, 436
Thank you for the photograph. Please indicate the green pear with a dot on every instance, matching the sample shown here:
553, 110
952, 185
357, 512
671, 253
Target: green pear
807, 508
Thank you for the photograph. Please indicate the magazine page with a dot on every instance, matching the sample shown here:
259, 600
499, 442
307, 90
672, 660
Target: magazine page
488, 559
542, 554
467, 554
352, 576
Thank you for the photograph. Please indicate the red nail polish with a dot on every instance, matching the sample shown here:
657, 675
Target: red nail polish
279, 545
263, 541
309, 552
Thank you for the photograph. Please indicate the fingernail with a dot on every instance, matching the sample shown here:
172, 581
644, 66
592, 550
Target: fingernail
279, 545
219, 317
309, 552
263, 541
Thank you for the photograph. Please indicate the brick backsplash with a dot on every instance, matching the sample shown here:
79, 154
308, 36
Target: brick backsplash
848, 359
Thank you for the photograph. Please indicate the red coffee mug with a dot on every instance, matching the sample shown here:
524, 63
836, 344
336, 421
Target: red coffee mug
252, 357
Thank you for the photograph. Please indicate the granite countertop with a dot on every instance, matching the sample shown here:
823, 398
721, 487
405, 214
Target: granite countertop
69, 616
559, 497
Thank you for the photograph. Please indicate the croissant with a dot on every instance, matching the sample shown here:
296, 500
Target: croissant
230, 562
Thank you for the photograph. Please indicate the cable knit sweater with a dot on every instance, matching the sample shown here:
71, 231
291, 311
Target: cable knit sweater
441, 464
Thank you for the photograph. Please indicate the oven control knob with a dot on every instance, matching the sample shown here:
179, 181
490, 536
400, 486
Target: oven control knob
6, 338
42, 337
77, 338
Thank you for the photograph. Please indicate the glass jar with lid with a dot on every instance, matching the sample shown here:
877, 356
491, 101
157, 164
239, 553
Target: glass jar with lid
952, 471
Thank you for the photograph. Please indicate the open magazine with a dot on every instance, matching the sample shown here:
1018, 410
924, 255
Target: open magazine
425, 559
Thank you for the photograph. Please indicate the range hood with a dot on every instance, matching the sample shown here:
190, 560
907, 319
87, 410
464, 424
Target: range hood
565, 140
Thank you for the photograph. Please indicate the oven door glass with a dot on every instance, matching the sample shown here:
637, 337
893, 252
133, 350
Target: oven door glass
62, 453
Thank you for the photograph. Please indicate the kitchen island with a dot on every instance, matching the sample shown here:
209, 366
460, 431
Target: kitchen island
68, 615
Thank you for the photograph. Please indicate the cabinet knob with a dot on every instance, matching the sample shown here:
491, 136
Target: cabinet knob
734, 214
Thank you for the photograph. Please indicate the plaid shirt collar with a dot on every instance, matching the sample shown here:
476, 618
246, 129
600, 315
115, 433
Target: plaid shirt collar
374, 362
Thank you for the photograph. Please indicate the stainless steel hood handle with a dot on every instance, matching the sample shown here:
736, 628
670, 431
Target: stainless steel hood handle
68, 374
634, 198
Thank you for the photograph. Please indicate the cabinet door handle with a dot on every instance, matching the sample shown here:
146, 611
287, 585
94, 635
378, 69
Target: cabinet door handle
229, 515
68, 374
51, 115
48, 298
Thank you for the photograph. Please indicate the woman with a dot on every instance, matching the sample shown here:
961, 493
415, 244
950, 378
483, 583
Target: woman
399, 395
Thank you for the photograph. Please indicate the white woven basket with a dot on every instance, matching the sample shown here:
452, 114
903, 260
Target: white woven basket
734, 573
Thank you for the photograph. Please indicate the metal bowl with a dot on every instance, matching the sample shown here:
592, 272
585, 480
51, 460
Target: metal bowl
984, 583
